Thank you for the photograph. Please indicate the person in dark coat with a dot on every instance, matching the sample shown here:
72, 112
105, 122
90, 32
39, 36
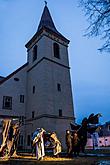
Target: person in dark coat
69, 143
82, 134
75, 144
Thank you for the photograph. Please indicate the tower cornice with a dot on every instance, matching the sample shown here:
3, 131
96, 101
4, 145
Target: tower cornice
37, 35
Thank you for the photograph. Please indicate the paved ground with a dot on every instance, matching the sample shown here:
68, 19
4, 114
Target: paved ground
88, 159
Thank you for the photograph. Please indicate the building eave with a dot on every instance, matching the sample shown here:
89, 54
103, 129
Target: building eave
13, 73
33, 38
57, 34
9, 117
2, 77
60, 36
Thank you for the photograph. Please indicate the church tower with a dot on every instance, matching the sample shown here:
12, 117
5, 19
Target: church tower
49, 93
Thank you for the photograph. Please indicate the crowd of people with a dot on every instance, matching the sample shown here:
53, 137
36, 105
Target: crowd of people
43, 141
72, 143
75, 139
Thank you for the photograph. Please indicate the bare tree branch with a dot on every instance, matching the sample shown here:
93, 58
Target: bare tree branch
98, 15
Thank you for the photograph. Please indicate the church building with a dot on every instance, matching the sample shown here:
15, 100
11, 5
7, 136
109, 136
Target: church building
39, 93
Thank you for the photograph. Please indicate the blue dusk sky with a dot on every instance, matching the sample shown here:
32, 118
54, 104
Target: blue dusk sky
90, 70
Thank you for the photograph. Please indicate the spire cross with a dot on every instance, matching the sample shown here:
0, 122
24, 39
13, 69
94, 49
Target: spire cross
45, 3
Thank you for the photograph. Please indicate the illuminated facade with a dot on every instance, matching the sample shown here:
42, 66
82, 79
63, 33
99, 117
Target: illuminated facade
39, 92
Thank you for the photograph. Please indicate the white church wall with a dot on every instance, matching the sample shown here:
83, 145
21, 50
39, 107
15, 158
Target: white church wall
14, 89
36, 101
55, 100
45, 49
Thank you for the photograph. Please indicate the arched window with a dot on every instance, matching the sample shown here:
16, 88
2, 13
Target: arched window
56, 50
35, 53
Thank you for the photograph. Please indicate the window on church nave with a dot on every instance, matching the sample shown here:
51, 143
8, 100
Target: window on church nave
7, 102
56, 50
34, 53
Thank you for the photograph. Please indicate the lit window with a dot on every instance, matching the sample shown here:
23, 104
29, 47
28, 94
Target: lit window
56, 50
21, 98
34, 53
7, 102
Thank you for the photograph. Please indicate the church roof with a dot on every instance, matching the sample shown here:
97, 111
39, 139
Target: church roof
47, 23
13, 73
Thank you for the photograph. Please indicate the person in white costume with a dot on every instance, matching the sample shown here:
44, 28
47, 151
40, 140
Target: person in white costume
39, 142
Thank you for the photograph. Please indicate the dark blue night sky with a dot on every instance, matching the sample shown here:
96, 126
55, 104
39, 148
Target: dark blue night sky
90, 70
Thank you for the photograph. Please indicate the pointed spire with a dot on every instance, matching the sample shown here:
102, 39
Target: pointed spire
47, 23
46, 20
45, 3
